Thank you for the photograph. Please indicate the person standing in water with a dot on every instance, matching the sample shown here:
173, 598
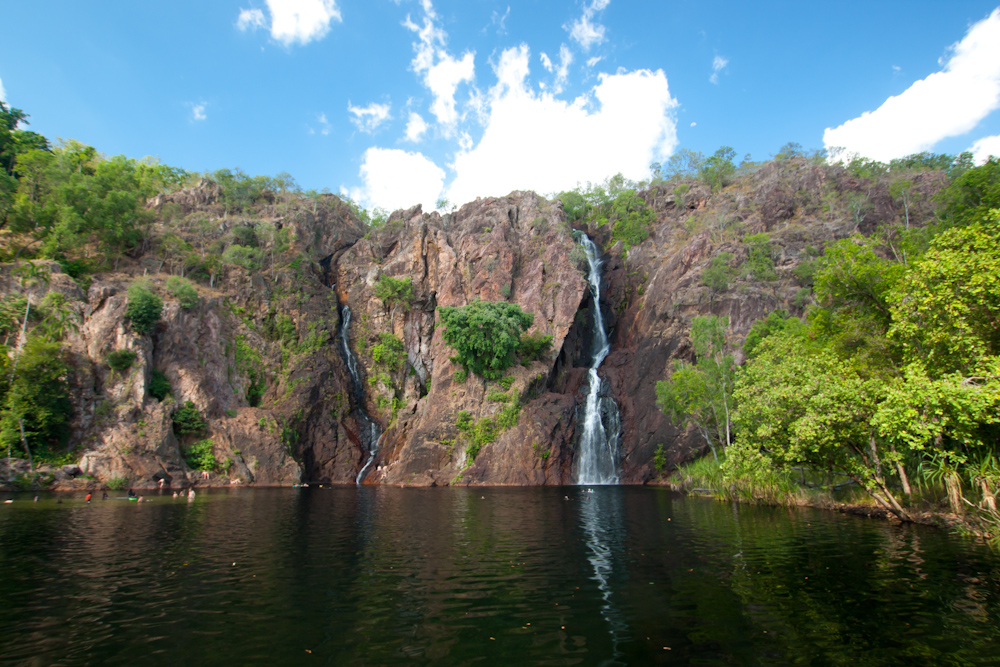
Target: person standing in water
191, 494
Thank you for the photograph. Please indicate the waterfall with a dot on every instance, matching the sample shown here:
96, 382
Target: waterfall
598, 451
368, 430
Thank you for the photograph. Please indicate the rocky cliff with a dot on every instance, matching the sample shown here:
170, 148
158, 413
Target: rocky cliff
259, 357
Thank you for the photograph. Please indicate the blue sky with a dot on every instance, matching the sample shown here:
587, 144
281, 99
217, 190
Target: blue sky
400, 102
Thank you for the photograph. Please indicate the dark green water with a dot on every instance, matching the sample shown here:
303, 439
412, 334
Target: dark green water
490, 576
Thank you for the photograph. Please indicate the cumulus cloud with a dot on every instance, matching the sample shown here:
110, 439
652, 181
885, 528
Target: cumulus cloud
395, 178
416, 126
3, 93
585, 31
442, 72
536, 141
367, 119
986, 147
292, 21
947, 103
718, 64
250, 19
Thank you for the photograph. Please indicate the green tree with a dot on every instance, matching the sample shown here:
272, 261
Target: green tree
36, 398
701, 393
485, 335
395, 292
188, 420
144, 308
632, 219
718, 273
760, 257
719, 169
184, 292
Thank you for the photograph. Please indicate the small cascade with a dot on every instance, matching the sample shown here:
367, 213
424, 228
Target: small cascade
368, 430
599, 444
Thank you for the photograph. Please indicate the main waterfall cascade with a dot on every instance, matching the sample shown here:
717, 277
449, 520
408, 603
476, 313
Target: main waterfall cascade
599, 445
368, 430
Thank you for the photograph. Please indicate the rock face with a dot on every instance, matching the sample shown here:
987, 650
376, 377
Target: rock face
259, 355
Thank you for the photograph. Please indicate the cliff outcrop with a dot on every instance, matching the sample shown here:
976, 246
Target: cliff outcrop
259, 354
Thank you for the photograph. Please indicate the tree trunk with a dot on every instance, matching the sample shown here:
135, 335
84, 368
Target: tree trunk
989, 498
903, 479
954, 486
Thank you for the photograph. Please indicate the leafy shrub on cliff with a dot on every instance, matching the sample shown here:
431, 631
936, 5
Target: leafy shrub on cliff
159, 385
121, 360
188, 420
760, 261
183, 291
242, 256
486, 335
533, 346
200, 457
717, 275
143, 308
632, 219
395, 292
389, 352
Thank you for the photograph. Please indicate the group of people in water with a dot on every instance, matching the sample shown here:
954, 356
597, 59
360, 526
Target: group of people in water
131, 496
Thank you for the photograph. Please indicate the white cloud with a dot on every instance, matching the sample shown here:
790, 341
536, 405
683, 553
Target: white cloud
250, 19
593, 61
198, 111
293, 21
367, 119
718, 64
416, 126
442, 72
584, 30
3, 93
500, 21
986, 147
562, 71
945, 104
396, 179
693, 124
324, 124
537, 142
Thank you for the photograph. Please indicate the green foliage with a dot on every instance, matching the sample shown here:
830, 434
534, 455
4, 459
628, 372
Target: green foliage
718, 273
760, 257
460, 376
121, 360
117, 483
245, 235
533, 347
199, 456
249, 361
395, 292
659, 459
389, 352
632, 218
12, 310
159, 385
506, 382
242, 256
38, 394
701, 394
184, 292
498, 396
485, 335
719, 169
144, 307
972, 195
777, 321
188, 420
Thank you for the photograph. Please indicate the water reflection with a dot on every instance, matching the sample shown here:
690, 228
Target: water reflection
492, 576
602, 519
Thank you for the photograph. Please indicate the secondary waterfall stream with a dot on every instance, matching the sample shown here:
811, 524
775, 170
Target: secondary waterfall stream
368, 430
599, 444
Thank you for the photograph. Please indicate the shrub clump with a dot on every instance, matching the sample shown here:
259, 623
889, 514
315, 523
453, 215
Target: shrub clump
144, 308
188, 420
184, 292
486, 335
121, 360
199, 456
159, 385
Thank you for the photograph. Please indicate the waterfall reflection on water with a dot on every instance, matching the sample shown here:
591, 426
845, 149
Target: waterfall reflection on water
599, 443
601, 517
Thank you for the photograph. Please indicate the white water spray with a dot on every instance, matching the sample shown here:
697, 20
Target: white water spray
368, 431
598, 452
